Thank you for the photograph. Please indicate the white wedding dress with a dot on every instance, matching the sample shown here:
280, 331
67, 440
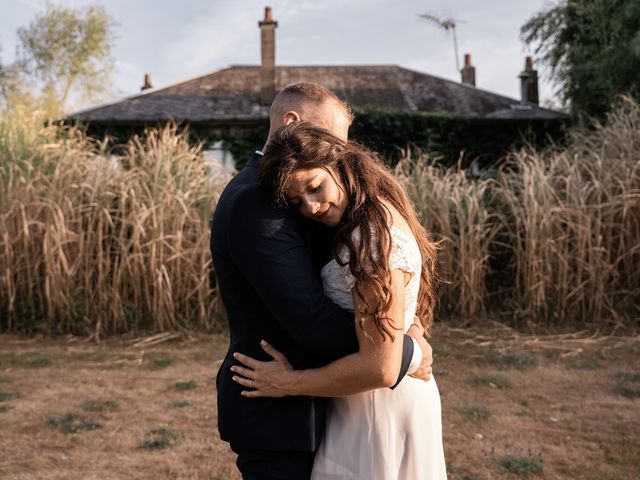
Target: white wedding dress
383, 434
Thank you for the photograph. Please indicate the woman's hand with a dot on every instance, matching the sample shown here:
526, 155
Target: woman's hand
416, 330
424, 371
267, 379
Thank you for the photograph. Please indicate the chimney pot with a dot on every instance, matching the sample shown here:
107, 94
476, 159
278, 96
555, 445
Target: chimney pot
468, 71
147, 82
267, 14
528, 64
529, 83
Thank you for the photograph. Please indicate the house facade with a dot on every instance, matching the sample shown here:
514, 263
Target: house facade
234, 101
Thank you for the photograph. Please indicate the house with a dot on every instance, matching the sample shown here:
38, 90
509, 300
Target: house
236, 100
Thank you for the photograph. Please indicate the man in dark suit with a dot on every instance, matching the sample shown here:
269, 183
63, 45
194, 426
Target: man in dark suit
267, 262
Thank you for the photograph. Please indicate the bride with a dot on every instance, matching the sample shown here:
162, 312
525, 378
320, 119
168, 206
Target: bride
383, 269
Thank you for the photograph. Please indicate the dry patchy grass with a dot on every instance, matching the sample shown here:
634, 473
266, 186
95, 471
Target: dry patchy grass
514, 406
52, 429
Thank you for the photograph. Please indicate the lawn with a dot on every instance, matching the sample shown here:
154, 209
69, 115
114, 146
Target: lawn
561, 406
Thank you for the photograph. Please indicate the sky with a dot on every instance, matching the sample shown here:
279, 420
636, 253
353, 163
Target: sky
177, 40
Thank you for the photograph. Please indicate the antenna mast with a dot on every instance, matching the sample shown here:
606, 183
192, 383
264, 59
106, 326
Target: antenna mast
446, 24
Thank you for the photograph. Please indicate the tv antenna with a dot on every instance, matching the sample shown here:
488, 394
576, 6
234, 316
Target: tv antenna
446, 24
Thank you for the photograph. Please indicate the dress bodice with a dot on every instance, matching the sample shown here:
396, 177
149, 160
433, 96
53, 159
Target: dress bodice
338, 281
383, 433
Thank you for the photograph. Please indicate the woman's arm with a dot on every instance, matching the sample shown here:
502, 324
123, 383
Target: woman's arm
375, 365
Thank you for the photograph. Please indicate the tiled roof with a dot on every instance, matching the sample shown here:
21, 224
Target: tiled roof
232, 94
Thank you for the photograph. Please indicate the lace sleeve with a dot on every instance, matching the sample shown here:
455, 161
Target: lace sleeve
404, 254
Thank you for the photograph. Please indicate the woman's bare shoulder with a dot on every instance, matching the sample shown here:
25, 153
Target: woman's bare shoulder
395, 219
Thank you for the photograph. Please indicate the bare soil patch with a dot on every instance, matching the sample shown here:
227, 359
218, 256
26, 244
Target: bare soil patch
514, 406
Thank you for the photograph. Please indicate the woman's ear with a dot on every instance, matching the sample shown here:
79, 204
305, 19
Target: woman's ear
290, 117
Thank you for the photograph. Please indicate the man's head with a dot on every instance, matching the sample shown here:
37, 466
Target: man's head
310, 102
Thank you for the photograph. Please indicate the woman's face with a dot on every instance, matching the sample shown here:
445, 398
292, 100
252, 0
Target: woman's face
318, 194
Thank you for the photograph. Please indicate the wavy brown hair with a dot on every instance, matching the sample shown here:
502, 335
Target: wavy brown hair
368, 184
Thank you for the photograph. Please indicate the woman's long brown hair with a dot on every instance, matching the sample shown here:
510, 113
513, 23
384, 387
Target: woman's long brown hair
302, 146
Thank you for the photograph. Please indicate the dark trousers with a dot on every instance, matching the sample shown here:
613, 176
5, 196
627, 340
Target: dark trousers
273, 465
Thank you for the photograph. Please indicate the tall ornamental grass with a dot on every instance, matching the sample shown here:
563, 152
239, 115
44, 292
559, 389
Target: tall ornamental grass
457, 211
551, 237
573, 223
92, 244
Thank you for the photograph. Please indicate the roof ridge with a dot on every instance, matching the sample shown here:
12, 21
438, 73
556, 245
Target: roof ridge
145, 92
473, 87
460, 84
402, 88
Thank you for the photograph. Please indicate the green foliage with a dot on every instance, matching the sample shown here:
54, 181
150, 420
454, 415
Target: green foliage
493, 381
40, 362
13, 91
626, 387
477, 412
242, 143
100, 406
72, 424
454, 140
592, 48
584, 364
5, 396
628, 392
162, 362
190, 385
522, 466
158, 439
628, 377
389, 133
517, 361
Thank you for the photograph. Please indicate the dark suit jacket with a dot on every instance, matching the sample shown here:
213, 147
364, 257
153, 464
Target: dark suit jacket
267, 263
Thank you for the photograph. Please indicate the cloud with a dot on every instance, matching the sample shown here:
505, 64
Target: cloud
226, 33
128, 75
176, 41
33, 4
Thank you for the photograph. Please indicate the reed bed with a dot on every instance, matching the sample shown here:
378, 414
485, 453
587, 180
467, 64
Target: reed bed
551, 237
456, 210
573, 219
91, 244
96, 245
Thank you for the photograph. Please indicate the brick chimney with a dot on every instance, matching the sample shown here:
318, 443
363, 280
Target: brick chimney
147, 82
468, 71
529, 83
268, 65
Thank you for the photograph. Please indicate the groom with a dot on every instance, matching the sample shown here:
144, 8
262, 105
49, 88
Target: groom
267, 261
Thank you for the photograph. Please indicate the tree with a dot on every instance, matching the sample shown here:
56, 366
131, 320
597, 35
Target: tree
7, 81
68, 51
592, 48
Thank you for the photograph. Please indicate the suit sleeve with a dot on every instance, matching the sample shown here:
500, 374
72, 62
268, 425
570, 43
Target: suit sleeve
269, 249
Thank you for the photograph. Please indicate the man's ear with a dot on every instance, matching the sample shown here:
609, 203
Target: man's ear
290, 117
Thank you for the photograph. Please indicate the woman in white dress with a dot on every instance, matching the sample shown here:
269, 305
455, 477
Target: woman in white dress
383, 268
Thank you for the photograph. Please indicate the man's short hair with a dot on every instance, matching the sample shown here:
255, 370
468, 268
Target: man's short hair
310, 92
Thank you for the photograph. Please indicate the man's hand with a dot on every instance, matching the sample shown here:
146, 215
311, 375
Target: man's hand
423, 372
